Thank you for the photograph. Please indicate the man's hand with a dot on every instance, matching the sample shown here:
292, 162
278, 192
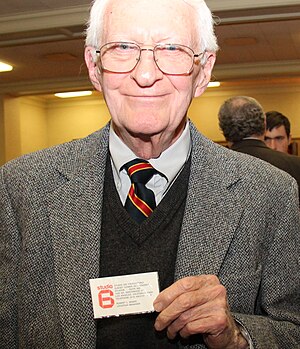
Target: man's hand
198, 305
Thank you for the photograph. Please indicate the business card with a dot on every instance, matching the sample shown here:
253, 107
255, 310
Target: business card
125, 294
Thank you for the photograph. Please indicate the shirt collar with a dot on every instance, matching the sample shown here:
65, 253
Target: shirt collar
168, 163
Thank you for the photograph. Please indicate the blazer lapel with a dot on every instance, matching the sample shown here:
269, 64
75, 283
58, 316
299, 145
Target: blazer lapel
210, 216
75, 221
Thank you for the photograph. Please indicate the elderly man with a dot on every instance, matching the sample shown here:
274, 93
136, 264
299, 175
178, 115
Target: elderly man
222, 238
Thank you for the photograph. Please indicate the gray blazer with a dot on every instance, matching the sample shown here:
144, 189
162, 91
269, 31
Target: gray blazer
241, 223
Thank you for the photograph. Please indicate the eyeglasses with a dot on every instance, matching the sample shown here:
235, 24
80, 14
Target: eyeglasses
122, 57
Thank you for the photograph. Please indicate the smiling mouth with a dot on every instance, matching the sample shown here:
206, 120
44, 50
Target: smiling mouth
147, 96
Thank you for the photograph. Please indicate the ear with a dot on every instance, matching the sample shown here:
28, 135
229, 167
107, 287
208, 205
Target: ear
90, 61
204, 73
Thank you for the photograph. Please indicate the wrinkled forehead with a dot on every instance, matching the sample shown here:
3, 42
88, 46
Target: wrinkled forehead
154, 17
126, 6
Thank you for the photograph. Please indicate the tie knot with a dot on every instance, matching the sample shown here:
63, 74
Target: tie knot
139, 171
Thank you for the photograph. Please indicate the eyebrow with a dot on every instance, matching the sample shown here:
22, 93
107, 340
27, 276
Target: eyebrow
276, 137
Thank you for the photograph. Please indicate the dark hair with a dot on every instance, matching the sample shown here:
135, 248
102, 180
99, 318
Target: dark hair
276, 119
241, 117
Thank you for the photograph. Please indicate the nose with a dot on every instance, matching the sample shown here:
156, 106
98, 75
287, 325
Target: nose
146, 72
272, 143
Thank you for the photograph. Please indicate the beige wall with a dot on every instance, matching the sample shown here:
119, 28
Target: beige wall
74, 118
12, 137
24, 126
2, 133
32, 123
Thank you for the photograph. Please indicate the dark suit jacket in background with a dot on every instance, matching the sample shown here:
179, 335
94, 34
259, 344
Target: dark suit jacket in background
241, 223
257, 148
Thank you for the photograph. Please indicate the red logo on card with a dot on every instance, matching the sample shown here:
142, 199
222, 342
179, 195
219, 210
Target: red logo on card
106, 299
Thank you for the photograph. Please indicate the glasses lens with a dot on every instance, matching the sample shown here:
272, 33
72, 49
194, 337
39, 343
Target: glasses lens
122, 57
174, 59
119, 57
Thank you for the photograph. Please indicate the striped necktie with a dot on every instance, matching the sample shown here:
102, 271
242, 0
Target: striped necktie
140, 201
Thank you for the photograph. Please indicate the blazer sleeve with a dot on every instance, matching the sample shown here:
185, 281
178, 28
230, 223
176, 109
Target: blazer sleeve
10, 242
276, 322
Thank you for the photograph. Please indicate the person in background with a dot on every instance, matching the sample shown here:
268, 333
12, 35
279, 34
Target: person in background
243, 123
220, 228
278, 128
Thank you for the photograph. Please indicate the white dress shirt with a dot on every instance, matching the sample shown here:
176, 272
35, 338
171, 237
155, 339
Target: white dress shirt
169, 163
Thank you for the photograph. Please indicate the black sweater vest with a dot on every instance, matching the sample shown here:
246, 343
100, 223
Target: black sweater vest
129, 248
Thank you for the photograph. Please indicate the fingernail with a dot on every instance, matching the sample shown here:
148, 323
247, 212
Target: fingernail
158, 307
157, 326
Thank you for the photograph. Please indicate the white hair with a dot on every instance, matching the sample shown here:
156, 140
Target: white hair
204, 24
95, 23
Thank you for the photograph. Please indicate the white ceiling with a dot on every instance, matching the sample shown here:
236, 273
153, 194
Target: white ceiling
43, 40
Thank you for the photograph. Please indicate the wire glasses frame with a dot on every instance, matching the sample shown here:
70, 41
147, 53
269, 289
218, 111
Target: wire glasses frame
123, 57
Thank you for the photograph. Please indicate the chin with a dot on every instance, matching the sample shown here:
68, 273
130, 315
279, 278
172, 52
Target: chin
146, 128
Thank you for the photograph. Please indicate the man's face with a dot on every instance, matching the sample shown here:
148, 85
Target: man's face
277, 139
146, 102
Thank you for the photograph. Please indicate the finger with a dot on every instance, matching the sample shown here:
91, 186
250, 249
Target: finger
182, 307
188, 284
201, 315
213, 303
212, 325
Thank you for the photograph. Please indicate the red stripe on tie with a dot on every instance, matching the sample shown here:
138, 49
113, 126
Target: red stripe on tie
138, 167
138, 203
